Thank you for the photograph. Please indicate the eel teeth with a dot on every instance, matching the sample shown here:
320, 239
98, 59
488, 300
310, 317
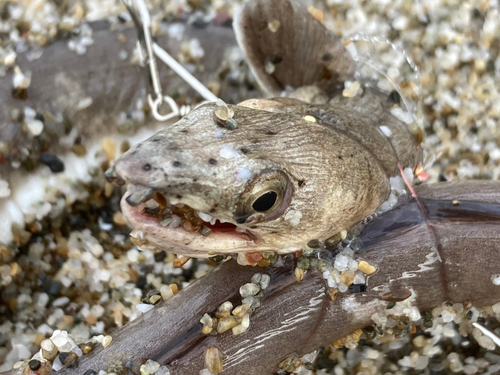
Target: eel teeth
139, 195
112, 177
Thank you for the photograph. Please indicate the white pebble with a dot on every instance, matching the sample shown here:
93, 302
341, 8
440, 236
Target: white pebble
47, 345
385, 130
43, 299
144, 307
486, 343
249, 289
341, 262
35, 127
84, 103
447, 316
176, 221
495, 279
359, 278
415, 314
264, 281
4, 189
61, 301
106, 340
163, 370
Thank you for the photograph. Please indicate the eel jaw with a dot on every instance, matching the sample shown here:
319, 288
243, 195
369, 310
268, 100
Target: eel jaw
150, 234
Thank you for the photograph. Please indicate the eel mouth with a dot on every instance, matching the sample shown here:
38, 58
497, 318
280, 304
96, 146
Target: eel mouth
180, 228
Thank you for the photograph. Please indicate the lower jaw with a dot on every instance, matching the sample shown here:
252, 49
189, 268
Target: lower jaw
151, 235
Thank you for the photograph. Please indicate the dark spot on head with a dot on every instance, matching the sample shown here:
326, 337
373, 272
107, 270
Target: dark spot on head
176, 163
340, 157
178, 196
245, 150
302, 183
156, 140
146, 167
327, 57
276, 58
212, 161
195, 180
270, 132
185, 131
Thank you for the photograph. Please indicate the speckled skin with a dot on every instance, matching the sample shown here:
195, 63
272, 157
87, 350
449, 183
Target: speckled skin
335, 163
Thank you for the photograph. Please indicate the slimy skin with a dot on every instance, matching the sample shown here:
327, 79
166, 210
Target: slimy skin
282, 171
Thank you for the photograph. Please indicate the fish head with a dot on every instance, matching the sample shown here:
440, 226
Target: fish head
250, 183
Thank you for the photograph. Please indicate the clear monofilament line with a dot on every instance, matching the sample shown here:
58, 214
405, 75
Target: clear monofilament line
199, 87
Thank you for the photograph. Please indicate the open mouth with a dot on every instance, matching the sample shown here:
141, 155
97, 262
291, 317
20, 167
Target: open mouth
165, 224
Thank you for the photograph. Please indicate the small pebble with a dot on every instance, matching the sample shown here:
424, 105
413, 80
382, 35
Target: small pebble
227, 323
249, 289
366, 268
106, 341
214, 360
53, 162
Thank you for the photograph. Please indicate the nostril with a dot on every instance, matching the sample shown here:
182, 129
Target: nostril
146, 167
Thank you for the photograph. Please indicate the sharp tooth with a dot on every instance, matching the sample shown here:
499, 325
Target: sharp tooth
152, 204
164, 222
162, 201
204, 216
112, 176
140, 195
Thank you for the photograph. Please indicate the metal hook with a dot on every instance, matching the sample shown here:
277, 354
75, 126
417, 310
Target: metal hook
145, 42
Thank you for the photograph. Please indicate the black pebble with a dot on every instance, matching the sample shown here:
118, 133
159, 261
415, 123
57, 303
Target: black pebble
90, 372
160, 257
64, 356
51, 287
53, 162
357, 288
34, 364
141, 282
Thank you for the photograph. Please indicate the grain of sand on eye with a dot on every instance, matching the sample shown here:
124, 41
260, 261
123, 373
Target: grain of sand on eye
66, 264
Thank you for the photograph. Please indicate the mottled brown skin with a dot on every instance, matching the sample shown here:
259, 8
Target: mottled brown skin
337, 170
328, 157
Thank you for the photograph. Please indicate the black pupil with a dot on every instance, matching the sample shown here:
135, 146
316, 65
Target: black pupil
265, 201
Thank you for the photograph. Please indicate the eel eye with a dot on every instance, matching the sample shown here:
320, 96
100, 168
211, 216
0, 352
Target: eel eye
269, 194
265, 202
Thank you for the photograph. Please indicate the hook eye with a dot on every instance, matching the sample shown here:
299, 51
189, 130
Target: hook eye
155, 106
